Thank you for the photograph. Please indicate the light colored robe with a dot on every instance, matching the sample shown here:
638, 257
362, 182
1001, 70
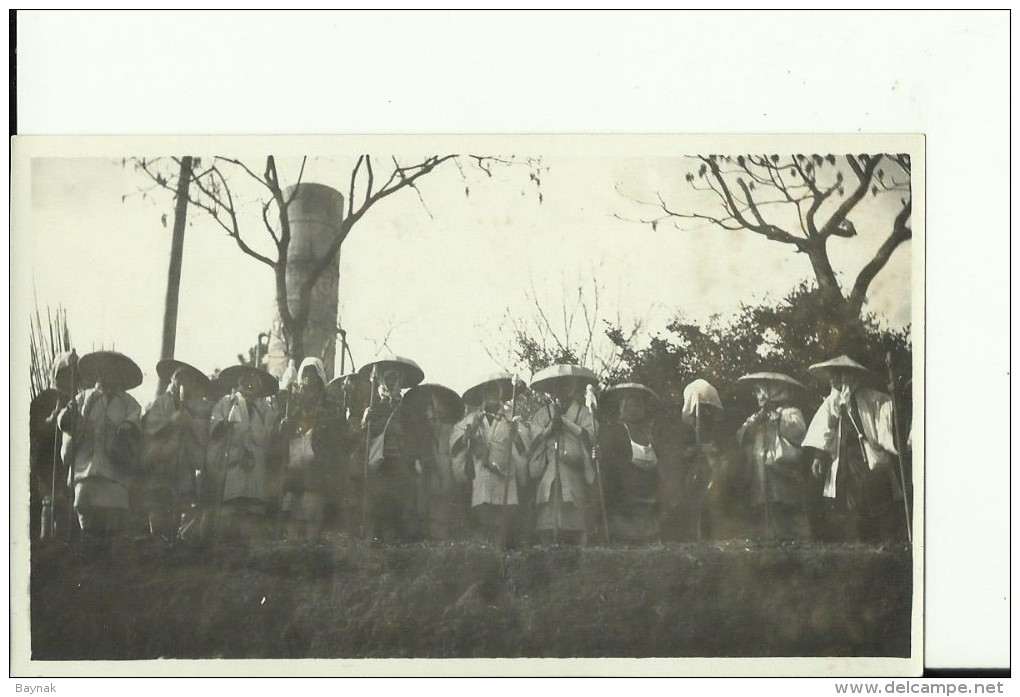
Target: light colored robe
92, 440
576, 470
489, 444
173, 450
760, 445
238, 457
876, 415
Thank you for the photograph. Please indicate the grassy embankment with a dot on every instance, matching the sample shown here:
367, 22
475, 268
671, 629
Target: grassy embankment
346, 599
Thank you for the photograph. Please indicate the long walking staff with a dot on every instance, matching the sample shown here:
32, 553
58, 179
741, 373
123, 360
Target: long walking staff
556, 496
511, 470
898, 436
368, 454
765, 475
698, 501
768, 503
58, 439
218, 504
593, 406
179, 474
697, 424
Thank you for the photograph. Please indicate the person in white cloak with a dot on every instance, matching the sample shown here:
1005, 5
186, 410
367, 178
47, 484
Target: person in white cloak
561, 438
239, 459
104, 424
480, 445
771, 438
854, 450
175, 432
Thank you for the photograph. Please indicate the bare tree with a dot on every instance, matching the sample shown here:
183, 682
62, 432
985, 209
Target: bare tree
801, 201
575, 330
365, 186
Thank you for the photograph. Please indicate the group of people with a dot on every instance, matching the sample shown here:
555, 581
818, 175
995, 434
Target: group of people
382, 455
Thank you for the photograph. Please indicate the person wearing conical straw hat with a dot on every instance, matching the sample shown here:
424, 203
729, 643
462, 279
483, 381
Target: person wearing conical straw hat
312, 432
630, 461
771, 438
389, 476
175, 435
494, 462
104, 425
242, 427
349, 394
854, 450
561, 437
430, 411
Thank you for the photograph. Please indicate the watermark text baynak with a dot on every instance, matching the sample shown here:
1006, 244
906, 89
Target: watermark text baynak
34, 689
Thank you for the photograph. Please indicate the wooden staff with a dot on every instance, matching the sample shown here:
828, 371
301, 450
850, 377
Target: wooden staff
765, 484
898, 439
763, 423
511, 470
72, 361
556, 496
368, 449
593, 407
218, 504
176, 513
698, 498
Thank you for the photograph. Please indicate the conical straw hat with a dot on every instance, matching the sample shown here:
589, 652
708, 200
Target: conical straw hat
544, 379
412, 374
128, 372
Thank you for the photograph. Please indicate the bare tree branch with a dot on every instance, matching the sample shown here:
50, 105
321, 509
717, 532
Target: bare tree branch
837, 222
297, 186
263, 181
901, 232
269, 226
771, 232
406, 176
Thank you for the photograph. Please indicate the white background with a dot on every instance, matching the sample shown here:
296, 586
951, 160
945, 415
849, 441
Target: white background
942, 74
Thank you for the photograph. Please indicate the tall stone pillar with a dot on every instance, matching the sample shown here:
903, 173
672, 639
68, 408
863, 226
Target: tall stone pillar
314, 215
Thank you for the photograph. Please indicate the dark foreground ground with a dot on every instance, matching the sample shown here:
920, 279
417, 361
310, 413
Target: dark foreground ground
143, 600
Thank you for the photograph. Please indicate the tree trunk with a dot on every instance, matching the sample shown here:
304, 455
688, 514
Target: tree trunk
173, 283
828, 285
294, 332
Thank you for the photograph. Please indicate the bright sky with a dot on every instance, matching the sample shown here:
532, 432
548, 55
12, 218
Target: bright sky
438, 286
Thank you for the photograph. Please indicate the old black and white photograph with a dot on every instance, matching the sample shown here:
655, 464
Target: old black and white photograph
588, 397
486, 344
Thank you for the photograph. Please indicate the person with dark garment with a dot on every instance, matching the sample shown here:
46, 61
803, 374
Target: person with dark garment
630, 462
391, 483
311, 430
348, 394
47, 470
702, 509
430, 413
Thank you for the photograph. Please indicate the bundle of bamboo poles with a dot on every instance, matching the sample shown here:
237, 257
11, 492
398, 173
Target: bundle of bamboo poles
48, 341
